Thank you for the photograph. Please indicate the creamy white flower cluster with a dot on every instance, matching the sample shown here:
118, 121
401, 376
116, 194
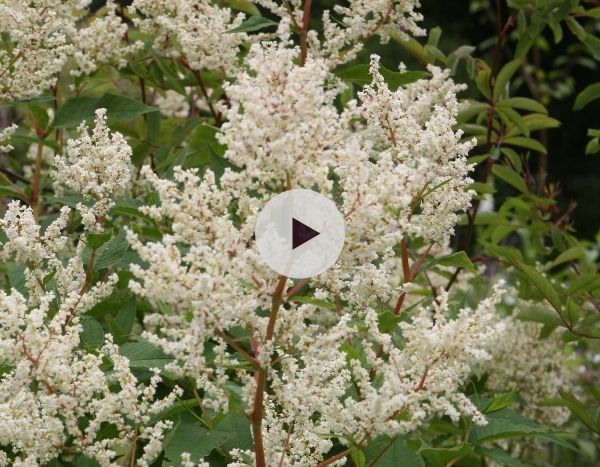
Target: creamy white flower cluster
282, 121
322, 391
49, 383
405, 175
98, 166
537, 368
43, 34
202, 270
199, 27
101, 41
350, 24
5, 135
402, 173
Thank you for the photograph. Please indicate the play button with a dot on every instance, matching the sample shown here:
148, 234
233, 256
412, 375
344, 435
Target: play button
299, 233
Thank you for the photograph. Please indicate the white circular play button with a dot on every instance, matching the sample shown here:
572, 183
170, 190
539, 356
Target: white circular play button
300, 233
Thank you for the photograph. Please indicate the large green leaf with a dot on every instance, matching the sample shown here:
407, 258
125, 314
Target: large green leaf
509, 176
360, 74
503, 424
523, 103
592, 92
143, 354
191, 437
111, 253
236, 428
389, 452
528, 143
458, 259
74, 111
77, 109
543, 285
501, 457
444, 456
254, 23
92, 333
504, 76
579, 409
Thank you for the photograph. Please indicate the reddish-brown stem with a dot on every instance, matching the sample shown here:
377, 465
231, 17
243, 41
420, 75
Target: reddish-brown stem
409, 274
35, 184
232, 343
304, 31
405, 265
297, 287
133, 449
332, 459
285, 445
215, 114
260, 376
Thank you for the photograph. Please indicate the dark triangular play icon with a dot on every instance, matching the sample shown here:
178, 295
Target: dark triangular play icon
301, 233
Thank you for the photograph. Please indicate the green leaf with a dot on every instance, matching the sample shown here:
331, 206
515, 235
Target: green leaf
360, 74
236, 429
92, 333
538, 314
524, 103
122, 107
584, 283
590, 93
81, 108
557, 31
505, 423
504, 76
434, 36
172, 410
243, 5
387, 321
94, 240
111, 253
74, 111
593, 44
501, 457
444, 456
123, 323
592, 147
528, 143
578, 409
576, 28
482, 80
386, 452
511, 254
512, 117
254, 23
513, 157
458, 259
189, 436
40, 115
358, 458
468, 112
543, 285
571, 254
500, 401
481, 188
143, 354
535, 122
509, 176
43, 98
